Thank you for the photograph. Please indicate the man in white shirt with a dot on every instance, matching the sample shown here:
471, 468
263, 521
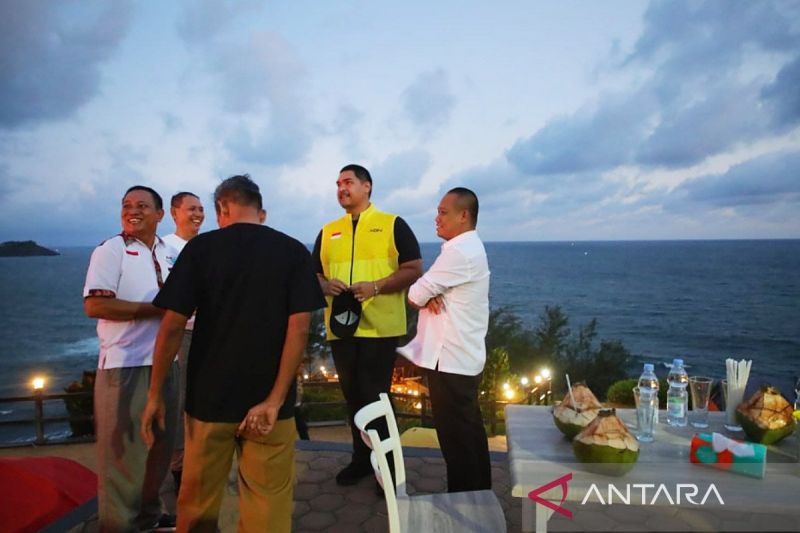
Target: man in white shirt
188, 213
125, 274
453, 302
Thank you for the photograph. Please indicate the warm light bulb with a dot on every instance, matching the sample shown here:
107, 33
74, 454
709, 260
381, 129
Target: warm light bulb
506, 386
524, 380
418, 405
509, 394
546, 373
38, 383
537, 379
305, 376
322, 369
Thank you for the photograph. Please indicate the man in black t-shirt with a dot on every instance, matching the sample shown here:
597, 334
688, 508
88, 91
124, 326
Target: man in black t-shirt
253, 290
371, 256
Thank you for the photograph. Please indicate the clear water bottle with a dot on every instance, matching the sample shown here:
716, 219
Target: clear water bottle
647, 410
677, 395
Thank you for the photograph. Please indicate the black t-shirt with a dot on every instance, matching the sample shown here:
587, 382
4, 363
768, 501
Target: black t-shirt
244, 281
404, 240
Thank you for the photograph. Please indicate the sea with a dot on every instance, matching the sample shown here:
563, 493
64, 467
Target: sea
703, 301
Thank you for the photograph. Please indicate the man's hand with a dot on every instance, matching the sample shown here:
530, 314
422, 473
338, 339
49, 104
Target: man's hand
333, 287
153, 412
435, 305
363, 290
260, 419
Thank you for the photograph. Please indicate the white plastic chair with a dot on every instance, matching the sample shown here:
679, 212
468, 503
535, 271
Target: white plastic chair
457, 512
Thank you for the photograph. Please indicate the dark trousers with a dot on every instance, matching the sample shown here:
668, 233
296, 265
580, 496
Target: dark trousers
365, 369
459, 426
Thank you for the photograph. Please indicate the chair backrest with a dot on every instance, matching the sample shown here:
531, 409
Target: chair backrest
380, 449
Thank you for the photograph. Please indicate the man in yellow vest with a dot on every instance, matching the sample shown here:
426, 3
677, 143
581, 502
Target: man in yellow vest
365, 260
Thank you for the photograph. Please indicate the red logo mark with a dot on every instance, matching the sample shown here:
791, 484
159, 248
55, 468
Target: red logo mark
129, 252
562, 481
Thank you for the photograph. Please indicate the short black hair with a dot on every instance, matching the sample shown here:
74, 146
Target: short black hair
240, 190
177, 198
156, 197
467, 200
361, 173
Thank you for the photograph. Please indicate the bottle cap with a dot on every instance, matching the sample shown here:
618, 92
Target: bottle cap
648, 367
677, 362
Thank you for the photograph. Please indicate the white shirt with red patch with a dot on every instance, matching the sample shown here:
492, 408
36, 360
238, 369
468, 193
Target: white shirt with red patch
125, 268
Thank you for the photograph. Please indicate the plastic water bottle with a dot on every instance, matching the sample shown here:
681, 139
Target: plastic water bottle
677, 396
647, 414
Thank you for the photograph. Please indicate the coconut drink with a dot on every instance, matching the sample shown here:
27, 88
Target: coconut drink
606, 445
766, 417
571, 417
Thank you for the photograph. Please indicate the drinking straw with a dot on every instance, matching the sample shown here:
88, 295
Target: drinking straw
571, 397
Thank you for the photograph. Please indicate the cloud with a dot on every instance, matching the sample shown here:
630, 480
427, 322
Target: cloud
591, 139
704, 69
171, 122
402, 170
260, 83
769, 179
428, 102
203, 20
783, 94
51, 53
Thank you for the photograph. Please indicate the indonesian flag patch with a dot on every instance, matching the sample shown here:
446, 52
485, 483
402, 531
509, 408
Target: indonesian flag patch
336, 235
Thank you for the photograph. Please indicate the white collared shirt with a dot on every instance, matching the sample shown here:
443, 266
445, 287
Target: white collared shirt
126, 269
455, 338
178, 242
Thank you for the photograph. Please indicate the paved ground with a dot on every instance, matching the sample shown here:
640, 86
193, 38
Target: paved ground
321, 505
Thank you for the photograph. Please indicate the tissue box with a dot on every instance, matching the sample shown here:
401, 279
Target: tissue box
719, 451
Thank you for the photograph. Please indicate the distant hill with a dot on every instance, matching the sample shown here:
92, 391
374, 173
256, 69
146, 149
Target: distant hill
23, 249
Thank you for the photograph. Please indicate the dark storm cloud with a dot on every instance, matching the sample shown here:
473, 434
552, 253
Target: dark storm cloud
773, 178
428, 102
50, 54
704, 81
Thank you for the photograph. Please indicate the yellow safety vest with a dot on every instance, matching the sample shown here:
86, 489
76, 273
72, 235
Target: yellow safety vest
373, 255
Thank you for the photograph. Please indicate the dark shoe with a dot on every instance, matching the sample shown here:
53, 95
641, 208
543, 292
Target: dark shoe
352, 473
166, 522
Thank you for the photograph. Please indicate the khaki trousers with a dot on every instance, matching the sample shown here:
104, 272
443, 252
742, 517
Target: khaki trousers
265, 472
129, 475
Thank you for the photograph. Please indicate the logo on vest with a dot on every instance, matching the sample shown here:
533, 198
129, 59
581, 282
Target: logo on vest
376, 230
337, 235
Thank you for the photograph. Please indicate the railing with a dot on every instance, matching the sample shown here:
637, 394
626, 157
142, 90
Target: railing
39, 419
423, 413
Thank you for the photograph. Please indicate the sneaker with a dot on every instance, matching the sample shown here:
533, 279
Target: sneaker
352, 473
166, 522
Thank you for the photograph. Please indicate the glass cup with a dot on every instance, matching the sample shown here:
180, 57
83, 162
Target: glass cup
646, 407
732, 400
700, 388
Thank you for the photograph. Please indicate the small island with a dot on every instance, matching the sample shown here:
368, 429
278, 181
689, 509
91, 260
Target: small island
24, 249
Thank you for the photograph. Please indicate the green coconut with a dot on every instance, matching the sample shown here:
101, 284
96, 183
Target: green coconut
606, 446
572, 418
766, 417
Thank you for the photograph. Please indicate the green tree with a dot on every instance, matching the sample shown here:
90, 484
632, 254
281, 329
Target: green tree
495, 372
598, 367
507, 332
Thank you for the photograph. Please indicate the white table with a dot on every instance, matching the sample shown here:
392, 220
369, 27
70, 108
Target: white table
538, 453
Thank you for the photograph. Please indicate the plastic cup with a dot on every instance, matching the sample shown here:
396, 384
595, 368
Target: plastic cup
646, 406
733, 398
700, 388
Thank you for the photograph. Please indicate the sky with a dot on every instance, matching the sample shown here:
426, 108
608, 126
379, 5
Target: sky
571, 120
